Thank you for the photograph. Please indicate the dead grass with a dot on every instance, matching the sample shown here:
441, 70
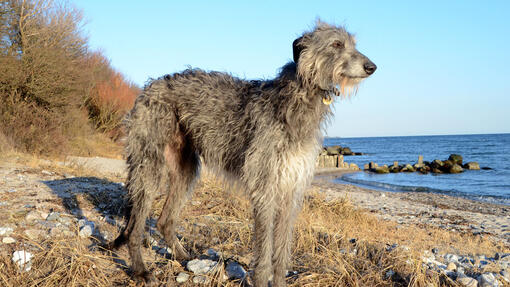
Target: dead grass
336, 244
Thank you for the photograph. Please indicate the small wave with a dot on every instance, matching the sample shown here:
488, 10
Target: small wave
391, 187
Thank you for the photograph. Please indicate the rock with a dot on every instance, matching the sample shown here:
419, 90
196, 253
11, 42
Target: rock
466, 281
366, 166
505, 275
451, 258
472, 165
436, 164
198, 266
381, 169
333, 150
200, 279
54, 216
34, 233
353, 166
435, 251
235, 270
182, 277
455, 169
488, 280
86, 231
213, 254
22, 259
451, 266
394, 169
346, 151
8, 240
425, 169
33, 215
408, 168
418, 165
486, 168
5, 231
456, 159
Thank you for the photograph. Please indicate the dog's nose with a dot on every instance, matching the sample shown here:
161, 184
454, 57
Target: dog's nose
369, 68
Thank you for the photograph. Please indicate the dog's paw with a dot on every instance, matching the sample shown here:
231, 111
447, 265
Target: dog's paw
146, 278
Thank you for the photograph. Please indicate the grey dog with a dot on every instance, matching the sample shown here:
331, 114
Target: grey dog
264, 135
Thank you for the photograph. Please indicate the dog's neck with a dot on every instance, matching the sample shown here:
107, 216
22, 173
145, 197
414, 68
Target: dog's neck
302, 108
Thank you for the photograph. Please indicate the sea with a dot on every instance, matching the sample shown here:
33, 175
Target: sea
489, 150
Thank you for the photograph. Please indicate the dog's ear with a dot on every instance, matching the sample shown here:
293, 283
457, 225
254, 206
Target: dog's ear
297, 47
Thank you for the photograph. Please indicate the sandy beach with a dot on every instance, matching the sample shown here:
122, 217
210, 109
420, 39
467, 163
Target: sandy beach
448, 212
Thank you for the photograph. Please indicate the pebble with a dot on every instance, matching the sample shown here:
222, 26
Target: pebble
235, 270
33, 215
200, 266
22, 258
54, 216
182, 277
34, 233
451, 258
86, 231
451, 266
488, 280
467, 281
8, 240
5, 231
200, 279
505, 275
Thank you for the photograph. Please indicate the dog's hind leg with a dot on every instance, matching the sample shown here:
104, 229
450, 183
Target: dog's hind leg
183, 167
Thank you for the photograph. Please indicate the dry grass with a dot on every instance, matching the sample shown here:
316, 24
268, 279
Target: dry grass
323, 254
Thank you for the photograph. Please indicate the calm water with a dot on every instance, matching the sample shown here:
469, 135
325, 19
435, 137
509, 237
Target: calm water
488, 150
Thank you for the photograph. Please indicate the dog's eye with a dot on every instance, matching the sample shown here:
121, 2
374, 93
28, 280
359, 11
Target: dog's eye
338, 45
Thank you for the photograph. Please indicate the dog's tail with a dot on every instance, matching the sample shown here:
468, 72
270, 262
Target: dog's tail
149, 125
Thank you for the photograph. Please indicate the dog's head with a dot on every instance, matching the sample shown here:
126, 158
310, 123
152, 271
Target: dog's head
327, 58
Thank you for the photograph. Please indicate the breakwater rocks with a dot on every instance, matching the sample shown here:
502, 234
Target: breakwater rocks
333, 157
454, 164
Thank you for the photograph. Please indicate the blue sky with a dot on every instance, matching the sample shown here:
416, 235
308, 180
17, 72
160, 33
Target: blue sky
443, 66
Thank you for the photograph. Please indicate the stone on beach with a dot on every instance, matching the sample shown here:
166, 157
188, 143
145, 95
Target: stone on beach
488, 280
23, 259
199, 267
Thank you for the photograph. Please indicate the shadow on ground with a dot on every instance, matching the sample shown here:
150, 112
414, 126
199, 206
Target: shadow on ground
80, 195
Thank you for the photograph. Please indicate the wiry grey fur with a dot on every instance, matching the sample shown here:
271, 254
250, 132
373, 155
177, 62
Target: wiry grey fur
264, 134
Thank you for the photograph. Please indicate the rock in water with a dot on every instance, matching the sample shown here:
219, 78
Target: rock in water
382, 169
346, 151
472, 165
456, 158
408, 168
333, 150
455, 169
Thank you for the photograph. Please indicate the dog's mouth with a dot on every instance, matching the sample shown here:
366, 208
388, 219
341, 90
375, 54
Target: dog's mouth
346, 87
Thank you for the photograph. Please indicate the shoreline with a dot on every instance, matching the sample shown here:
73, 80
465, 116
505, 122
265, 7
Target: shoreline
444, 211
